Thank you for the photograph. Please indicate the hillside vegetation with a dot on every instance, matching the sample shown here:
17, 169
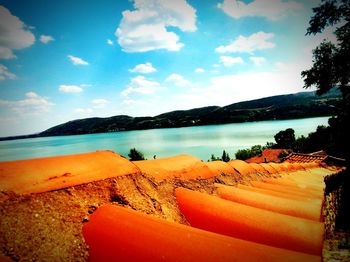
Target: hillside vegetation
299, 105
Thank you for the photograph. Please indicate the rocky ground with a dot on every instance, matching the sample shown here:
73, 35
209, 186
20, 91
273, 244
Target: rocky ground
337, 247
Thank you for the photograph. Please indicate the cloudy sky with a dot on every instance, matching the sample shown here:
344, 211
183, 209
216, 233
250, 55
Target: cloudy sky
63, 60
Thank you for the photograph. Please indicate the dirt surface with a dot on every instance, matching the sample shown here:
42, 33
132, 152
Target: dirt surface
47, 226
53, 173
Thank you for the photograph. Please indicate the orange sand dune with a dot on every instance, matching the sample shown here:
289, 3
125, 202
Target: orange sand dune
287, 195
278, 167
298, 166
298, 177
321, 171
220, 167
242, 167
312, 164
180, 166
304, 165
259, 168
307, 174
120, 234
253, 224
292, 207
299, 187
269, 168
298, 182
287, 189
313, 175
289, 166
52, 173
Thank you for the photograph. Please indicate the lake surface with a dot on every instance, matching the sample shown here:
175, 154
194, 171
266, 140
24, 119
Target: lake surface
200, 141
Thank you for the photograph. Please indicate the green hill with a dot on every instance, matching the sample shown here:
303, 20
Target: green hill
299, 105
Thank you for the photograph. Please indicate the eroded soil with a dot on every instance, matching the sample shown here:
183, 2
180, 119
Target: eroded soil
47, 226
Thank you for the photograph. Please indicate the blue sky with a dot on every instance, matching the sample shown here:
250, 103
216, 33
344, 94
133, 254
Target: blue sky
64, 60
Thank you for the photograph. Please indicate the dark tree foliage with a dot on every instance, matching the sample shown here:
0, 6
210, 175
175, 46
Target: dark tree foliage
331, 69
331, 64
135, 155
225, 156
214, 158
244, 154
321, 139
285, 138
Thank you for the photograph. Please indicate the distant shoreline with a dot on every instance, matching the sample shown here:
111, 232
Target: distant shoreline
39, 135
283, 107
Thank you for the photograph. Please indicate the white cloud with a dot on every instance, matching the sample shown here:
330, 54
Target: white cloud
6, 53
271, 9
256, 41
227, 89
199, 70
178, 80
14, 34
99, 102
110, 42
222, 90
33, 103
257, 60
230, 61
146, 68
46, 39
141, 85
5, 73
145, 28
133, 102
70, 89
84, 111
77, 60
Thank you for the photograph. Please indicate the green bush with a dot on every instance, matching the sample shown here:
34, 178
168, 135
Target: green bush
285, 138
244, 154
214, 158
224, 157
135, 155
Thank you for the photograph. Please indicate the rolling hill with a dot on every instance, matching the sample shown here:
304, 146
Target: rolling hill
299, 105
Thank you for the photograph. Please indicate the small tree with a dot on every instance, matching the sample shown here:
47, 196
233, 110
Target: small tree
135, 155
225, 156
244, 154
285, 138
331, 67
301, 145
256, 150
214, 158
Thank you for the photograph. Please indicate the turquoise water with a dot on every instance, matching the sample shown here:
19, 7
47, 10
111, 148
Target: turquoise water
200, 141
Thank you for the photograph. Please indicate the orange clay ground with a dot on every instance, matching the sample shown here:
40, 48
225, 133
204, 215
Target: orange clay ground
100, 206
